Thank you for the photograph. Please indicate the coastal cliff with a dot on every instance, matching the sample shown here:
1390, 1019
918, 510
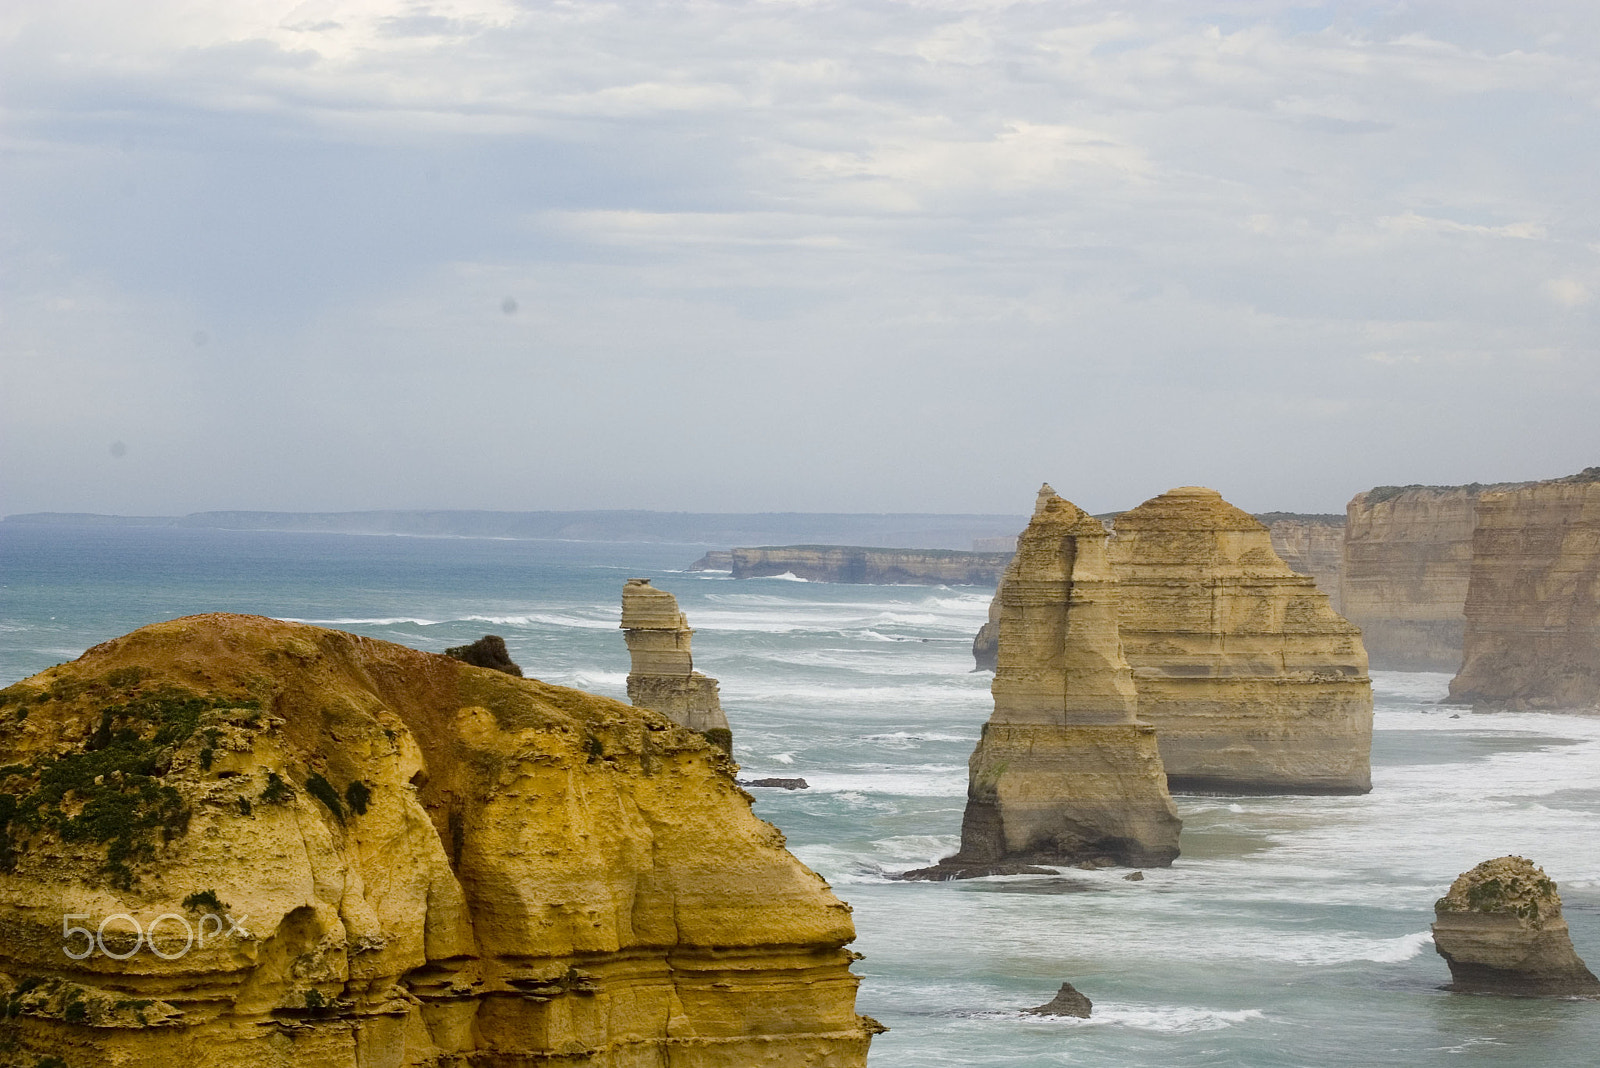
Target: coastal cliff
1252, 682
399, 859
1533, 601
849, 563
1407, 563
1064, 772
1311, 545
662, 675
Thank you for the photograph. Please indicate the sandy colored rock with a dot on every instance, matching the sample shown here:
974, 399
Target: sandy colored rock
1533, 602
1311, 545
1501, 931
429, 863
1063, 772
663, 676
1407, 563
1251, 680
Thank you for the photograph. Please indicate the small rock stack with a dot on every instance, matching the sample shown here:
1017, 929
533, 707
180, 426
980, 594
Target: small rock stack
1500, 929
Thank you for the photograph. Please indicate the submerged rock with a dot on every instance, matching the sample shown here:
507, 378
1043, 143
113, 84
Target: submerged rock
488, 651
778, 784
1067, 1002
663, 675
342, 852
1063, 772
1253, 682
1501, 931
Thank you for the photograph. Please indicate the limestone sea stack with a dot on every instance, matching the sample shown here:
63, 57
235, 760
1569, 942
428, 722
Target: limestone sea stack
1251, 679
1064, 773
663, 676
1533, 599
1501, 931
288, 847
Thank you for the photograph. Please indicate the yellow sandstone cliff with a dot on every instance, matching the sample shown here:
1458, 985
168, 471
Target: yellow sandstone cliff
1251, 680
399, 859
1064, 771
1533, 602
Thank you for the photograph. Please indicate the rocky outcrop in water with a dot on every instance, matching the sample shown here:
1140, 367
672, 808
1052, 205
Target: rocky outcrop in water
1251, 680
1067, 1002
339, 852
1407, 563
1533, 602
1063, 772
489, 652
849, 563
663, 675
1501, 931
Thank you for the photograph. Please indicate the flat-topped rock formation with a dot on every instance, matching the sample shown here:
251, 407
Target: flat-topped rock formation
1501, 931
1407, 563
1532, 610
663, 676
1251, 680
344, 853
851, 563
1064, 772
1311, 545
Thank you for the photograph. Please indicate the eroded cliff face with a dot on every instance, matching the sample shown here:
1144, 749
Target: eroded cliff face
849, 563
1501, 931
1407, 563
662, 675
1311, 545
399, 859
1251, 680
1533, 601
1064, 771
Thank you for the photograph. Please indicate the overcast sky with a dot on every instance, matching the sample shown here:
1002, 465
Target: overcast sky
856, 256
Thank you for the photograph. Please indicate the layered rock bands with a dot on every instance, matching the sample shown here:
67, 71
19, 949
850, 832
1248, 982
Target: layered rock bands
1251, 680
662, 675
848, 563
277, 845
1533, 600
1501, 931
1064, 772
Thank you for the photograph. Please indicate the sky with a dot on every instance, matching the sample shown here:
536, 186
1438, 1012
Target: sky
798, 256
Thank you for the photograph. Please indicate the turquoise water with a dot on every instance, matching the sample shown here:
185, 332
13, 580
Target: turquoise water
1293, 931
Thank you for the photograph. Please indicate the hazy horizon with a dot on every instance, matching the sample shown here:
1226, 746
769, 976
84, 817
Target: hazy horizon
338, 255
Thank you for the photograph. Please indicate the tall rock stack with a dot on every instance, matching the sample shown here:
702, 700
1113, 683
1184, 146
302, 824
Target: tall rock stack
1064, 773
1407, 562
663, 676
1533, 601
1251, 680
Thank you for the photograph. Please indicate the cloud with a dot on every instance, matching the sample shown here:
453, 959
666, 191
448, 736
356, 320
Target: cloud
782, 234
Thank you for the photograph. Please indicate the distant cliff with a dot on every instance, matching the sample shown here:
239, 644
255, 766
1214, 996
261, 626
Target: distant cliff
849, 563
1311, 545
344, 853
1533, 603
1407, 561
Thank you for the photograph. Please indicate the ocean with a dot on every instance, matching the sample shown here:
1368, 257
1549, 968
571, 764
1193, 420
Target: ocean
1292, 931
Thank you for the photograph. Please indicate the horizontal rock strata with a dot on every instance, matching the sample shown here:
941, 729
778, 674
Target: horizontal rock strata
662, 676
1533, 602
1501, 931
1311, 545
1407, 563
1063, 772
848, 563
399, 860
1251, 680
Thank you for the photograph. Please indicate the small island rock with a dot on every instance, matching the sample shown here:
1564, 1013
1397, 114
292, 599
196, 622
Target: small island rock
1067, 1002
1501, 931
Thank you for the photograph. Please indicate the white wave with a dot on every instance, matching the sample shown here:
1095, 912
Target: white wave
933, 780
1349, 948
1171, 1019
919, 736
608, 621
782, 758
787, 576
